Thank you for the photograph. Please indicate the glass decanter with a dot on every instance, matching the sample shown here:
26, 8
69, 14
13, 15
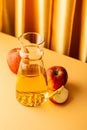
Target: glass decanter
31, 83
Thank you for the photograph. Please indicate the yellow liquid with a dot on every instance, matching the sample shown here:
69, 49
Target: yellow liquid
31, 90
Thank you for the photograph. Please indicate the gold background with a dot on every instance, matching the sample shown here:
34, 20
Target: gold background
62, 22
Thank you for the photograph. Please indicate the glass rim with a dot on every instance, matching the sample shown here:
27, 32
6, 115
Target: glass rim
36, 33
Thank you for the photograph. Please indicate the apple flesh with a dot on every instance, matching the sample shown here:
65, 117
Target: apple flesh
13, 59
56, 76
59, 96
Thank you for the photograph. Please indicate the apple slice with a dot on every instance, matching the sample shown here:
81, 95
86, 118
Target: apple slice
59, 96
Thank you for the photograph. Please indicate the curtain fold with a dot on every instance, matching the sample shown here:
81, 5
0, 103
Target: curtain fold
38, 17
63, 15
7, 14
0, 14
19, 17
62, 22
83, 37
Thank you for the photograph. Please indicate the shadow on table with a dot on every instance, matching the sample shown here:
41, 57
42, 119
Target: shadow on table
73, 92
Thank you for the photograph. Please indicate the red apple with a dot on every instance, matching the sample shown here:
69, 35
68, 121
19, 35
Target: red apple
56, 76
13, 59
59, 96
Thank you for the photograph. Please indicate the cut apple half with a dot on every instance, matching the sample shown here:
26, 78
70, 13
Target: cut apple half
59, 96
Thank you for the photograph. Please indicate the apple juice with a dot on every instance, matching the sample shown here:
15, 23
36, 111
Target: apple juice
31, 86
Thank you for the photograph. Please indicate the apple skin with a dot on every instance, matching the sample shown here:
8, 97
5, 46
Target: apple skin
56, 76
13, 59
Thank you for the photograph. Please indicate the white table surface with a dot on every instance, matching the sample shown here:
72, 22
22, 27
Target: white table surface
69, 116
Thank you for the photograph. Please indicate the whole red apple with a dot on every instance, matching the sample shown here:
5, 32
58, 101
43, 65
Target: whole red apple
56, 76
13, 59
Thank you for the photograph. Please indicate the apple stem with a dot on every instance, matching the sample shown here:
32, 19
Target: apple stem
56, 91
55, 72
